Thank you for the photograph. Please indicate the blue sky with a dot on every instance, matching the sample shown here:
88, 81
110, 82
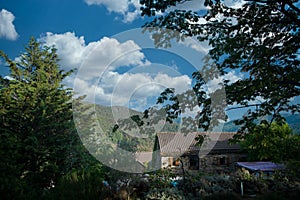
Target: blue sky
36, 17
117, 65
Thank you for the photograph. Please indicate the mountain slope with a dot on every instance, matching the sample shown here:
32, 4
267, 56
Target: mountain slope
108, 117
292, 120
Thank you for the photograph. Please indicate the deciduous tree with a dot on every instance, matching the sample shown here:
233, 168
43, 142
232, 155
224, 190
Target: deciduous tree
259, 40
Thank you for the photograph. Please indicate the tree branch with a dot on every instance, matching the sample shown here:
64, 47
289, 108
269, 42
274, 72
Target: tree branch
292, 6
283, 10
289, 82
247, 106
289, 15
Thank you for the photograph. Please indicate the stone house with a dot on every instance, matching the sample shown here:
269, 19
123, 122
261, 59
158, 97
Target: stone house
214, 155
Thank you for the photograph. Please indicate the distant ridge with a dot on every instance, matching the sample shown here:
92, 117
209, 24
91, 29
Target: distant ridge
105, 115
107, 118
292, 120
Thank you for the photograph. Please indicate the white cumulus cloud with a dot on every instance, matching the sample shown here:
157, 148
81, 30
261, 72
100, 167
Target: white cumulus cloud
95, 56
199, 5
99, 77
130, 10
7, 28
118, 89
216, 83
234, 3
191, 5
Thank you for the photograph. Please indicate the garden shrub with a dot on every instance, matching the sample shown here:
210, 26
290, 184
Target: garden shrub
165, 194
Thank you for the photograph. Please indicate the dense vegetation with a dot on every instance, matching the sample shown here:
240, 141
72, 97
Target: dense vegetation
39, 145
42, 156
259, 39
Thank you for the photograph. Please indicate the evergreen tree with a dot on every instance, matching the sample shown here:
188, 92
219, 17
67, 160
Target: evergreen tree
36, 127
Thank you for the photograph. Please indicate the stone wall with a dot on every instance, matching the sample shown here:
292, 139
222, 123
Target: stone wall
218, 163
211, 163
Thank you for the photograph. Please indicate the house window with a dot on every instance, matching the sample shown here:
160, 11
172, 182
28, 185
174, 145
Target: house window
194, 162
176, 162
223, 161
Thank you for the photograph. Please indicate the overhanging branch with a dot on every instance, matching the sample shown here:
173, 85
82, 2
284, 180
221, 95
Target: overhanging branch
246, 106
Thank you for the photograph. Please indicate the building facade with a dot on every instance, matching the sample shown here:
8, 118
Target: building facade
215, 154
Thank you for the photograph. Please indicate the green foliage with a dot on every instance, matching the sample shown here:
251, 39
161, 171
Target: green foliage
223, 196
151, 7
191, 184
165, 194
294, 168
259, 40
279, 195
85, 183
272, 196
273, 141
117, 132
37, 134
161, 178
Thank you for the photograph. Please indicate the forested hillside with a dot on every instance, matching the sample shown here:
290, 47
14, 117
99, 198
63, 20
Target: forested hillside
107, 122
105, 117
292, 120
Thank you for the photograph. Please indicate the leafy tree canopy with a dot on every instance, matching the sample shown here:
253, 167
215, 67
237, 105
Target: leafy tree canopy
259, 40
275, 142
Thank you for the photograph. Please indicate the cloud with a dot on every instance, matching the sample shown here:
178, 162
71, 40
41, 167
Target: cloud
7, 28
71, 49
191, 5
99, 76
107, 53
202, 47
130, 10
138, 88
130, 90
199, 5
216, 83
234, 3
124, 89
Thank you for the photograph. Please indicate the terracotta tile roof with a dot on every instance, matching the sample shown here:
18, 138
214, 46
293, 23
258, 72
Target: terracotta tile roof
176, 144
